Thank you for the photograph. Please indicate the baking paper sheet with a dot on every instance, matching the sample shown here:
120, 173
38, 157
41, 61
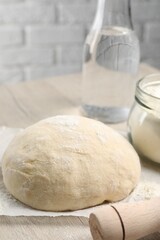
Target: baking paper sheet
148, 187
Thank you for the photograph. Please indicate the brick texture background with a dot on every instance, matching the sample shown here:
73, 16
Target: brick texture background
43, 38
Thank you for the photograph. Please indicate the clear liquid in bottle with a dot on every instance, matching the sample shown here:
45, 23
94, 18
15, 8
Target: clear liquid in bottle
111, 59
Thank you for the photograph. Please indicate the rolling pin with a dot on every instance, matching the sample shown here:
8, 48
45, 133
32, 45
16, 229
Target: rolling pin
125, 221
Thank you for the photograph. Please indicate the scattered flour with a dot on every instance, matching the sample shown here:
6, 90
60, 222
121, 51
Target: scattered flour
145, 191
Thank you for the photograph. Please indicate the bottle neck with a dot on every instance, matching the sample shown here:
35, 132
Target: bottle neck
113, 13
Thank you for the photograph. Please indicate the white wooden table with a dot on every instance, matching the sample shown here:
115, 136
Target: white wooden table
24, 104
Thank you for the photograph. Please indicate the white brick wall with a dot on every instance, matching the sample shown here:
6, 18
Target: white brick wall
11, 75
42, 38
27, 12
10, 36
146, 17
55, 34
76, 13
25, 56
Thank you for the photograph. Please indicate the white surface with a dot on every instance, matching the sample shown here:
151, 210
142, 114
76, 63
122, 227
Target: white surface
147, 188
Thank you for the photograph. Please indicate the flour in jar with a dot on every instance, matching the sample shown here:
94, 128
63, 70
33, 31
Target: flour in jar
144, 121
153, 90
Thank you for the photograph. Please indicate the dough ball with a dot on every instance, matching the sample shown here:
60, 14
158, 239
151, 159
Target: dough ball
69, 163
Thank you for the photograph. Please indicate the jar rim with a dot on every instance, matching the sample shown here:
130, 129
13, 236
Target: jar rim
148, 99
151, 81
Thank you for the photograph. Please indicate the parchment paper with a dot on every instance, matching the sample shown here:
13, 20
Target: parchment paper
148, 187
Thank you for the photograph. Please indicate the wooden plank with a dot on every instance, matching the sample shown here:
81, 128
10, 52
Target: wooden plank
26, 103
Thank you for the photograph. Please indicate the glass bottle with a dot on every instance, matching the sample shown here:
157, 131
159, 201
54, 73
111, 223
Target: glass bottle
110, 62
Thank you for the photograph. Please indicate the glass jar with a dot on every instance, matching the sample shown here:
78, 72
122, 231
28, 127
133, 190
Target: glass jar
144, 119
110, 63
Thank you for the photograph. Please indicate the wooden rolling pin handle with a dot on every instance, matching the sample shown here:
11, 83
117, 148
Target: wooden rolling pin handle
126, 221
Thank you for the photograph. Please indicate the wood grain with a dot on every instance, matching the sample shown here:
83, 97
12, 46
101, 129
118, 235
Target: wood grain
127, 221
40, 228
24, 104
48, 228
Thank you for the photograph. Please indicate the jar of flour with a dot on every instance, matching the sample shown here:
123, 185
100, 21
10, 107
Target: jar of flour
144, 119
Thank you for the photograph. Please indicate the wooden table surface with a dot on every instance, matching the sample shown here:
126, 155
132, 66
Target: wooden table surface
23, 104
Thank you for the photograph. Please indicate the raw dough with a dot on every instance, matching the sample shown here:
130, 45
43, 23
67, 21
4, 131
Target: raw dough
68, 163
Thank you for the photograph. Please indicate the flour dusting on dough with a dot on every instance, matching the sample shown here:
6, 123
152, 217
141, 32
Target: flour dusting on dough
68, 125
101, 134
99, 130
67, 121
67, 161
